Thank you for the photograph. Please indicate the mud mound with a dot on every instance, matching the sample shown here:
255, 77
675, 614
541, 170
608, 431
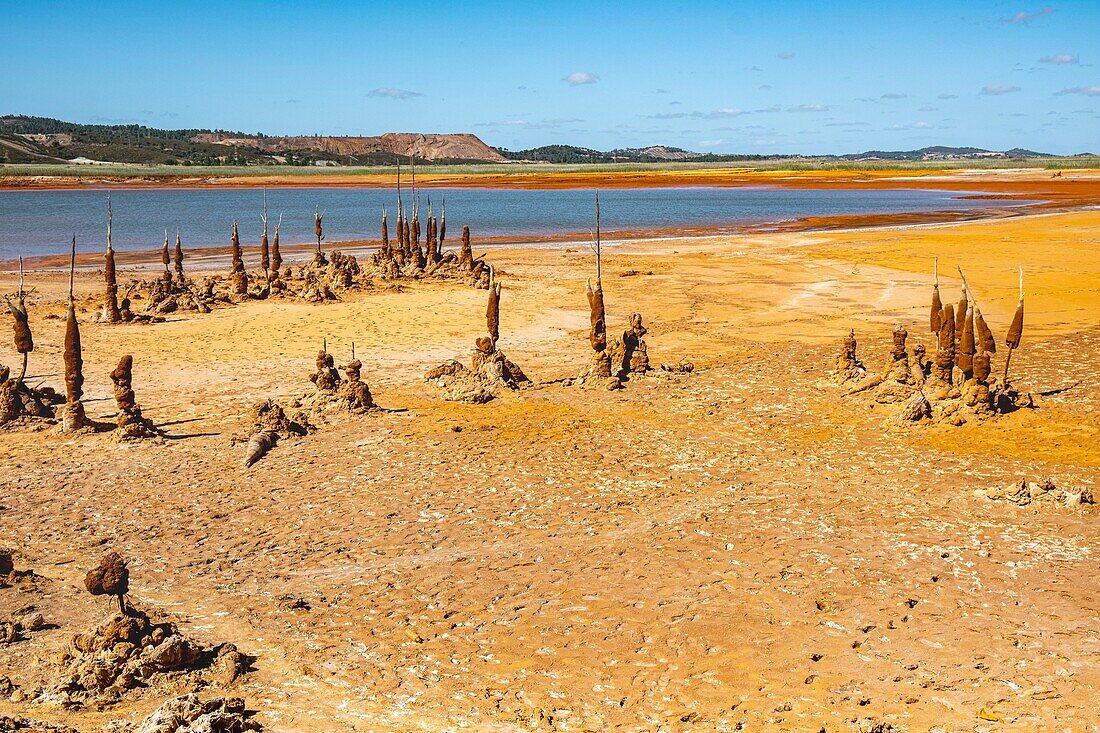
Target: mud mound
20, 625
270, 423
1046, 493
490, 372
133, 650
335, 393
458, 384
189, 714
11, 576
22, 404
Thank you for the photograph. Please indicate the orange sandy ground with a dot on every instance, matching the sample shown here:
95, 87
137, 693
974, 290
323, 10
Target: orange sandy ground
674, 556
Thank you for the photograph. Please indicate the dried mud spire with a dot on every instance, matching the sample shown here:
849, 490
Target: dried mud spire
442, 222
982, 332
166, 260
319, 232
402, 232
414, 244
635, 352
964, 358
265, 246
899, 336
178, 256
944, 362
385, 249
848, 366
466, 254
353, 392
492, 312
235, 243
109, 274
73, 418
937, 305
326, 377
131, 423
984, 337
24, 342
597, 334
276, 255
1016, 328
111, 577
432, 251
960, 314
238, 277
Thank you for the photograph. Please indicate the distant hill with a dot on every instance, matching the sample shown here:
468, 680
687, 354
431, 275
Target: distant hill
26, 139
939, 152
661, 153
651, 154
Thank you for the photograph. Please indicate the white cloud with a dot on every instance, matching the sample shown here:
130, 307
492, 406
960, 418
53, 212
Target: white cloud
894, 95
546, 124
1093, 91
725, 113
948, 96
809, 108
391, 93
578, 78
1025, 17
995, 89
786, 55
1060, 58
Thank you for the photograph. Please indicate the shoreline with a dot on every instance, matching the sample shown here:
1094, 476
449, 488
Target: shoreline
213, 255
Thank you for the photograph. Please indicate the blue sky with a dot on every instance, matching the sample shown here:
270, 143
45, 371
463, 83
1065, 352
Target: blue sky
759, 77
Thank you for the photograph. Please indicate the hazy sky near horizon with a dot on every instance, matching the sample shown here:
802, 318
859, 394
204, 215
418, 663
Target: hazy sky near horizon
753, 77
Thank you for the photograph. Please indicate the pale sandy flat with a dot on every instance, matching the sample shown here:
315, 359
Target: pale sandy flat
737, 546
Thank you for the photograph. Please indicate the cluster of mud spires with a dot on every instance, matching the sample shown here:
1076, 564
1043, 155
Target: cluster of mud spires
131, 654
318, 281
956, 384
20, 403
491, 372
331, 394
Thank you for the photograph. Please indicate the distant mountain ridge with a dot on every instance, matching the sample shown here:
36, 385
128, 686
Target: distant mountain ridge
940, 152
661, 153
26, 139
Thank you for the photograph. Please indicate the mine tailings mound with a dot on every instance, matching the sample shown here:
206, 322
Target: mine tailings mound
458, 146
